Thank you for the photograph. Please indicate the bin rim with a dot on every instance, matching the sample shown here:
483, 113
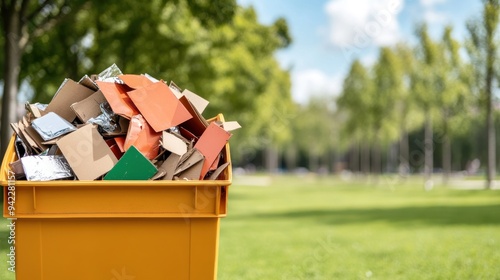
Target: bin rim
10, 156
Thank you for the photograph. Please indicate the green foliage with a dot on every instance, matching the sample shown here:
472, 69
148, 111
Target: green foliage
354, 102
214, 48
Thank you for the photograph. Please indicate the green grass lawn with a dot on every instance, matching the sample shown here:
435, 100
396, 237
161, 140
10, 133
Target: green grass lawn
306, 228
323, 228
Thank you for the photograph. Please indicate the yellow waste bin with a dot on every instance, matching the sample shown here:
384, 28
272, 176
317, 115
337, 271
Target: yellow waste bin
115, 230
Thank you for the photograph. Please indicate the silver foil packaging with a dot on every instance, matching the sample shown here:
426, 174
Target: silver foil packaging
46, 168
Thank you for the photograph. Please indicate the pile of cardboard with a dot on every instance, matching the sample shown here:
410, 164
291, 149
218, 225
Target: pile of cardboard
120, 127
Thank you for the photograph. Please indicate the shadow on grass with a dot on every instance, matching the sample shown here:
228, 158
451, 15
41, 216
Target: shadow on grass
473, 215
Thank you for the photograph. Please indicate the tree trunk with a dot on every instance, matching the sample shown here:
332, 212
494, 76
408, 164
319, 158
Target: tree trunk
271, 157
404, 154
446, 154
491, 144
429, 148
376, 158
354, 161
12, 54
365, 159
291, 158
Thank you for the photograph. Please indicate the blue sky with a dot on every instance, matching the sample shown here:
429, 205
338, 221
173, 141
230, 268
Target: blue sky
329, 34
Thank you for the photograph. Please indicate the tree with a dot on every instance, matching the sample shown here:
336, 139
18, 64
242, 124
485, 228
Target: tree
452, 101
22, 22
388, 81
353, 104
483, 50
426, 87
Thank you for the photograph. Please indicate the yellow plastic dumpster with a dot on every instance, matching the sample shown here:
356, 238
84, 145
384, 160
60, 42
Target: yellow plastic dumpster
116, 230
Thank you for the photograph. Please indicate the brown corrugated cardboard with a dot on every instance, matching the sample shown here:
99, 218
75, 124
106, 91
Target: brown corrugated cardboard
87, 153
70, 92
89, 107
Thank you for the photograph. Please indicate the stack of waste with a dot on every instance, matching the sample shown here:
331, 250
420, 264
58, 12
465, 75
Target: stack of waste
115, 126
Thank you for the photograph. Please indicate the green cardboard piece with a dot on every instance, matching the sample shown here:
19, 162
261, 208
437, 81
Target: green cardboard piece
133, 165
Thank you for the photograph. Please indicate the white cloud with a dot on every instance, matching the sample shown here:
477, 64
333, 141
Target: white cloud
363, 23
430, 3
312, 82
431, 15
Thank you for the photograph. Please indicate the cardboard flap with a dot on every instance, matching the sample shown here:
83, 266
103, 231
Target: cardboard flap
70, 92
36, 137
190, 159
89, 107
191, 173
87, 153
159, 106
230, 126
167, 168
218, 171
211, 144
143, 137
88, 82
198, 102
135, 81
173, 143
116, 95
132, 166
197, 124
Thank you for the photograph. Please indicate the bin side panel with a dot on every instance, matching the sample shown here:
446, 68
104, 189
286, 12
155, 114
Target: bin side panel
157, 248
204, 242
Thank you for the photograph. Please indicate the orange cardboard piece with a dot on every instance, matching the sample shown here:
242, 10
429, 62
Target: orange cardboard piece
116, 95
210, 144
87, 153
143, 137
70, 92
197, 124
135, 81
159, 106
120, 141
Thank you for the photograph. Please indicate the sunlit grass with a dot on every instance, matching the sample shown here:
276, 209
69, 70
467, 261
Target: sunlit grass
309, 228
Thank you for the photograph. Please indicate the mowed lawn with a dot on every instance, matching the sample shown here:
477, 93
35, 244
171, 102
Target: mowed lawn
310, 228
289, 227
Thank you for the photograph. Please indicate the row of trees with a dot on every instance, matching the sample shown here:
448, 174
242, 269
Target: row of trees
415, 104
414, 98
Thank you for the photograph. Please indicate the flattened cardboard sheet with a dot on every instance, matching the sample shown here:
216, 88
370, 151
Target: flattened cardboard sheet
132, 166
159, 106
70, 92
211, 144
116, 95
87, 153
198, 102
197, 124
135, 81
173, 143
89, 107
